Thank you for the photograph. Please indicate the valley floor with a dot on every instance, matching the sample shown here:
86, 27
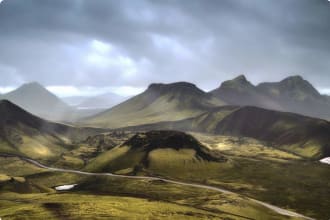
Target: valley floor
178, 188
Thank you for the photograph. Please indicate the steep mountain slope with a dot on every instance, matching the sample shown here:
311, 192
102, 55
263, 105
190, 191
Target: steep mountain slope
205, 122
151, 150
39, 101
305, 136
25, 134
160, 102
293, 94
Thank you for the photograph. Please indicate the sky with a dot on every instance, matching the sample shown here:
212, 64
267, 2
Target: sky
84, 47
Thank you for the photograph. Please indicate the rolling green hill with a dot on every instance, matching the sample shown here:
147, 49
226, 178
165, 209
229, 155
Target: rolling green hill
160, 102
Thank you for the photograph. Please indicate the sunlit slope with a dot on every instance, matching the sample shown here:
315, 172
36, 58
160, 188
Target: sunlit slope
160, 102
305, 136
168, 150
205, 122
25, 134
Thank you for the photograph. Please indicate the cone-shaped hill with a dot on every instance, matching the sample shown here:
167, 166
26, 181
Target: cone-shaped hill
147, 151
36, 99
160, 102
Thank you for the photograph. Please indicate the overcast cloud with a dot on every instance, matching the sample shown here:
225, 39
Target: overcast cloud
122, 46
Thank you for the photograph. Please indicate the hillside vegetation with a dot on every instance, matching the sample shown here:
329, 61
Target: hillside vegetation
160, 102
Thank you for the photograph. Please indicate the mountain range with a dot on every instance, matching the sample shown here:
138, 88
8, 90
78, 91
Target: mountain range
292, 94
182, 100
174, 101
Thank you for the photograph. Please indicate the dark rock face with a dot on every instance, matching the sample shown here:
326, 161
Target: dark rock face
151, 140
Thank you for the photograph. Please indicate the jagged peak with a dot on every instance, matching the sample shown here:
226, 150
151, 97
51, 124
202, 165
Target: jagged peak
240, 78
239, 81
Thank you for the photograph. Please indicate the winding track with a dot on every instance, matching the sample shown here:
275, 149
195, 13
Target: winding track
267, 205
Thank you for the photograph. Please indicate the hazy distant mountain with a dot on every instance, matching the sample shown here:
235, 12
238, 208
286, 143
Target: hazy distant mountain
25, 134
293, 94
36, 99
104, 101
74, 100
160, 102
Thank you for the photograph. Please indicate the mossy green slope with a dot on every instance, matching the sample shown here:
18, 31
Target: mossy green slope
160, 102
305, 136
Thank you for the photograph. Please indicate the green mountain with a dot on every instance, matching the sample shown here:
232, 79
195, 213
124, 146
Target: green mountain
160, 102
25, 134
39, 101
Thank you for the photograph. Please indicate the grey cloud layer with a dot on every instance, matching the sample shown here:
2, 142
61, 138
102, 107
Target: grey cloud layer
201, 41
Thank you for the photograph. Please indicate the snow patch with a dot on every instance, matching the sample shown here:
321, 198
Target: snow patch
65, 187
325, 160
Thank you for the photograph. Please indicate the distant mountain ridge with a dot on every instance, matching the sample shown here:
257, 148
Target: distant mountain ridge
292, 94
175, 101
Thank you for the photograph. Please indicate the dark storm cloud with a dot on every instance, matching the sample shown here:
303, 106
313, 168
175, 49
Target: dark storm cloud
133, 43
